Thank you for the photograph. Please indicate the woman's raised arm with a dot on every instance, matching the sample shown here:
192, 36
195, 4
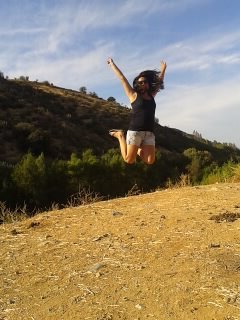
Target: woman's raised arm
129, 91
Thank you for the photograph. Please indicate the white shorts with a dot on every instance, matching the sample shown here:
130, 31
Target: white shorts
140, 138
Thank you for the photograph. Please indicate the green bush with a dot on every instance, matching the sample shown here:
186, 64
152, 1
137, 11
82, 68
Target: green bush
30, 179
229, 172
38, 141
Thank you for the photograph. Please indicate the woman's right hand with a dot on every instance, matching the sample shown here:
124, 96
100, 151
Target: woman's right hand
110, 61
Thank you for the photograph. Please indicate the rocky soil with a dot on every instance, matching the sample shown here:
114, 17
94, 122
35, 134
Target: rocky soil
171, 254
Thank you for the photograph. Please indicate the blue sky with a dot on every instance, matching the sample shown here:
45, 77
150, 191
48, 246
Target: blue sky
68, 43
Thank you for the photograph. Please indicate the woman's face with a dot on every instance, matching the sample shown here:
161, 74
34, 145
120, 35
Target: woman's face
143, 84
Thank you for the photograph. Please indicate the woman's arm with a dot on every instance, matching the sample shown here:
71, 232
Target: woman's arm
131, 94
163, 67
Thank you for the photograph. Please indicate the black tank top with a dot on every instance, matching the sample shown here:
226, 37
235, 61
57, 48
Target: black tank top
143, 114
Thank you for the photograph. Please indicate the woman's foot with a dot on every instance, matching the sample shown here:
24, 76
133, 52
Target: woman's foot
116, 133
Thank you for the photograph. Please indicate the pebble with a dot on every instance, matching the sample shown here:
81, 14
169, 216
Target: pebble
15, 232
214, 245
139, 306
34, 224
116, 213
100, 237
96, 267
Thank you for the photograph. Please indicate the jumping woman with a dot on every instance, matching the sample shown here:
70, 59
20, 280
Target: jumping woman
140, 138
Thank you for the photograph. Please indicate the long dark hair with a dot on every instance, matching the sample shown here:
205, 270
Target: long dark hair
154, 81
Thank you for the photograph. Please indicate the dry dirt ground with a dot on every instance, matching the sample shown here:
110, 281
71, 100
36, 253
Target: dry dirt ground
171, 254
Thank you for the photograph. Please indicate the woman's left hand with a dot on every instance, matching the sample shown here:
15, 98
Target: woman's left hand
163, 65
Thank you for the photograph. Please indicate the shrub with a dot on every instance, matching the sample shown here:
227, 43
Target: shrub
224, 173
8, 215
38, 141
236, 173
111, 99
83, 197
29, 178
83, 90
93, 94
24, 127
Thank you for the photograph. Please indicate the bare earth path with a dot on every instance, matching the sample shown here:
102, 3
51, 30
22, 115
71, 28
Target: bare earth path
171, 254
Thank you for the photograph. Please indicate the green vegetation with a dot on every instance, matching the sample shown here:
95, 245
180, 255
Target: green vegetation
56, 151
229, 172
38, 183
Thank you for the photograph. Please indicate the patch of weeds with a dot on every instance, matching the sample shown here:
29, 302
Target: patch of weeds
8, 215
183, 181
83, 197
225, 217
133, 191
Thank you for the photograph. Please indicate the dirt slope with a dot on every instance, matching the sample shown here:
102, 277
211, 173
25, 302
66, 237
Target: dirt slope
172, 254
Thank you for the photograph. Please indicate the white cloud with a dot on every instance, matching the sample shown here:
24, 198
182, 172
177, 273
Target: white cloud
210, 109
204, 51
88, 69
230, 59
19, 31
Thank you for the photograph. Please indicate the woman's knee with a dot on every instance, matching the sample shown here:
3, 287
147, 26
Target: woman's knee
149, 160
130, 159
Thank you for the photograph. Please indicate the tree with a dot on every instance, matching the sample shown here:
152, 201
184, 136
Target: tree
38, 141
24, 78
57, 187
197, 135
75, 170
29, 178
111, 99
83, 90
84, 171
93, 94
199, 161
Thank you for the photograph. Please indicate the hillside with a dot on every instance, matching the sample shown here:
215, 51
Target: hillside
40, 117
43, 118
168, 255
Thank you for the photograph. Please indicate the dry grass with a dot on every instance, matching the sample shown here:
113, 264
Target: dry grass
83, 197
236, 176
8, 215
183, 181
153, 256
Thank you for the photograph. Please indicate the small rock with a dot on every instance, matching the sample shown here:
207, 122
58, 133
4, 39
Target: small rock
96, 267
101, 237
11, 301
194, 309
33, 225
14, 232
214, 245
126, 299
116, 213
139, 306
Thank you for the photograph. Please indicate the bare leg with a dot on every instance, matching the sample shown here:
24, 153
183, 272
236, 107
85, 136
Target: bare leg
129, 152
147, 153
